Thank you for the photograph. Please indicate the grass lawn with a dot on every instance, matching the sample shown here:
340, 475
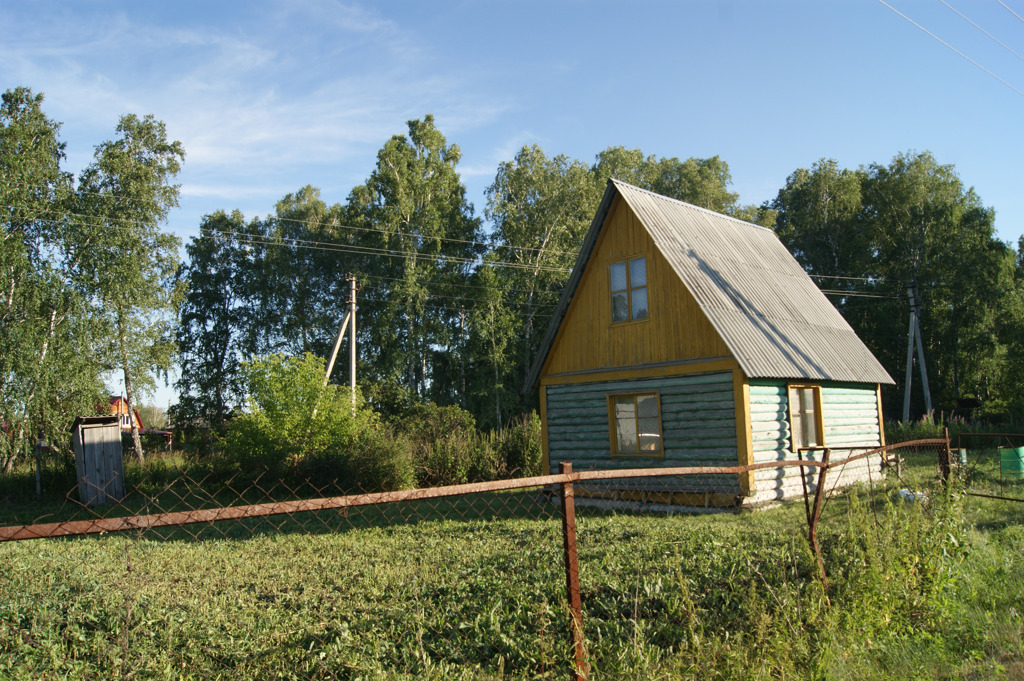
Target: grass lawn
473, 588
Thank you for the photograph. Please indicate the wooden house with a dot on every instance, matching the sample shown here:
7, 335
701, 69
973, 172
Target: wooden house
689, 338
119, 406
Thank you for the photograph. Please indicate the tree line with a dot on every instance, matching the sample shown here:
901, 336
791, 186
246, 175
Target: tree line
452, 303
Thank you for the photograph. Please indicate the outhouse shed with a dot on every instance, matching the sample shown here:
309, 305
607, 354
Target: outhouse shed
689, 338
96, 441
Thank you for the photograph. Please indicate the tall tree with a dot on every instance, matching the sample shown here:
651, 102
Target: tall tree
494, 324
888, 226
820, 220
703, 182
539, 209
304, 272
223, 317
419, 242
128, 192
928, 228
48, 363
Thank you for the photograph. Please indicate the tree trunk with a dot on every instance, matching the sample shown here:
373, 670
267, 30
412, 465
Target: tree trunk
129, 391
497, 397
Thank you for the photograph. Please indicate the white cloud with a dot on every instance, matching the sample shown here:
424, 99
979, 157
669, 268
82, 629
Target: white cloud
278, 89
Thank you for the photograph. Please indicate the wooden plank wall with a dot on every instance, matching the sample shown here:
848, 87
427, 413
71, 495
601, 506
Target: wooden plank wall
676, 329
850, 415
99, 464
698, 420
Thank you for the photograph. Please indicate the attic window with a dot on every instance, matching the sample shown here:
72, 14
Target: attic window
805, 416
629, 289
635, 424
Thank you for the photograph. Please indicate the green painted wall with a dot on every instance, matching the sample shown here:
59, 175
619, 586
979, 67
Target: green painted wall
850, 416
698, 420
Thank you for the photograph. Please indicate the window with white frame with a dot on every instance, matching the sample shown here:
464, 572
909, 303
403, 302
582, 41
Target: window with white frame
805, 416
629, 289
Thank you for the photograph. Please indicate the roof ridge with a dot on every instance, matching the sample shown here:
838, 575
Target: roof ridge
620, 183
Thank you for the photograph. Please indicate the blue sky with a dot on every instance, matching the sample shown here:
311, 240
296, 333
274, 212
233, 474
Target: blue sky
270, 96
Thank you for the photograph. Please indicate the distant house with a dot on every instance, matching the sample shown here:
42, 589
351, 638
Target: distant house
119, 406
688, 338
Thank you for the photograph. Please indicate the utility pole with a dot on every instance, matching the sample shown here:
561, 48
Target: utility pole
914, 338
349, 322
352, 336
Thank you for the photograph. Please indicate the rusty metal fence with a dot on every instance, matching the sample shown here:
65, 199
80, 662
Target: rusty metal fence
246, 576
990, 465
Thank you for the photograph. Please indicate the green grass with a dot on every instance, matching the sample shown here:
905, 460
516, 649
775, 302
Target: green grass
473, 588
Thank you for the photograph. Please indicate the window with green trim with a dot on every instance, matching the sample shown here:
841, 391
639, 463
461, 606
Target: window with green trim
629, 289
635, 424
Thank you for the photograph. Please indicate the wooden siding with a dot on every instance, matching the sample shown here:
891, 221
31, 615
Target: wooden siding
698, 419
850, 415
675, 330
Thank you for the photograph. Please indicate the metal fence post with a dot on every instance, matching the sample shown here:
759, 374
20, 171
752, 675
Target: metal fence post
819, 495
572, 573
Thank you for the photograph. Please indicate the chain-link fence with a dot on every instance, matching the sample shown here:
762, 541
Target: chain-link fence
990, 465
246, 576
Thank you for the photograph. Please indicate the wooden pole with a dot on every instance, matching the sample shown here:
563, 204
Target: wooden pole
922, 366
352, 336
334, 352
910, 357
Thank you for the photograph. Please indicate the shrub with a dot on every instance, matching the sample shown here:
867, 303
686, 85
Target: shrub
292, 416
444, 443
378, 461
381, 461
519, 446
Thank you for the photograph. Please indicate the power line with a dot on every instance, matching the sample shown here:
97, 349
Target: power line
850, 294
896, 11
353, 249
1001, 44
1019, 17
337, 225
836, 276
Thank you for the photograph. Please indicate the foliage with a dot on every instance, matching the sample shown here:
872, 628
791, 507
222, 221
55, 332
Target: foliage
291, 415
221, 319
519, 446
421, 239
477, 591
52, 338
878, 230
540, 209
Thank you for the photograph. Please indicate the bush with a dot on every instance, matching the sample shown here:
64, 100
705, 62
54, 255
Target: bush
378, 461
519, 446
444, 443
292, 417
381, 461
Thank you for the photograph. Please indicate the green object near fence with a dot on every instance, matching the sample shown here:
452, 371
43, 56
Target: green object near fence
1011, 462
963, 457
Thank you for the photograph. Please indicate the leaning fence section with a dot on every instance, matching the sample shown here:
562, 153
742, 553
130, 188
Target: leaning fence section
575, 575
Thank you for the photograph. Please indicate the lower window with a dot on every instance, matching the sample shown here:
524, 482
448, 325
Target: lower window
805, 416
635, 424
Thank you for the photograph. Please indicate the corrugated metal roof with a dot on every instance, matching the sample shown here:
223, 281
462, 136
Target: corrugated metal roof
773, 318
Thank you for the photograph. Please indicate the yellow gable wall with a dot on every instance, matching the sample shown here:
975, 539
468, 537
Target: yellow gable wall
675, 330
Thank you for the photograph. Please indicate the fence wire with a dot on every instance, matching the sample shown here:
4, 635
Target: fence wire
245, 575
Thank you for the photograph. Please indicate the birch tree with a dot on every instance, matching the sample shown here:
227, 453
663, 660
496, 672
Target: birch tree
48, 366
419, 240
127, 193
